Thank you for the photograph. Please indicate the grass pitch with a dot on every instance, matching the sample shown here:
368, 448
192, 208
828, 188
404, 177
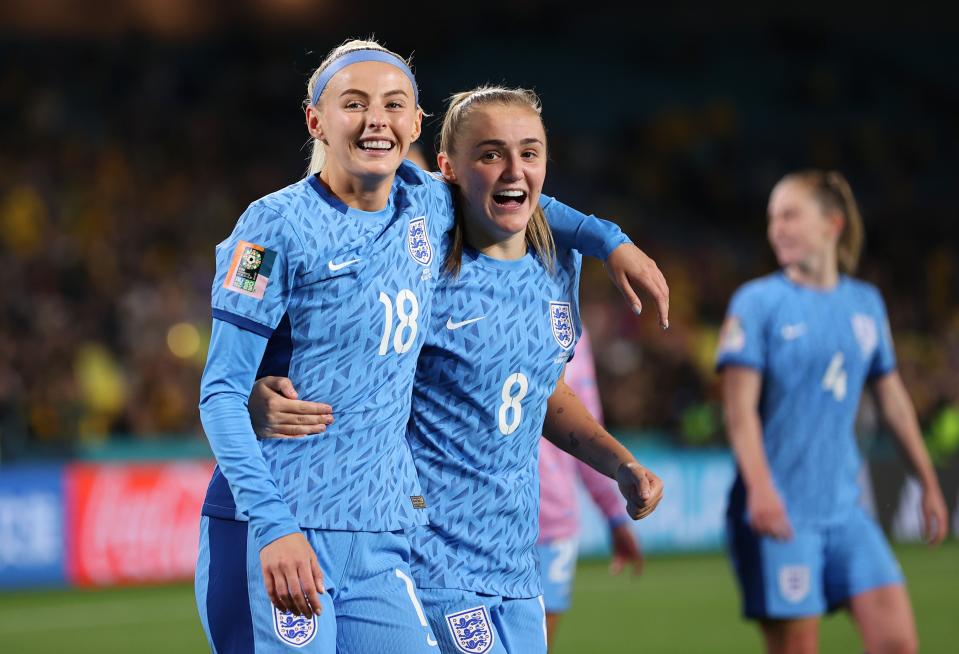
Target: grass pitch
682, 604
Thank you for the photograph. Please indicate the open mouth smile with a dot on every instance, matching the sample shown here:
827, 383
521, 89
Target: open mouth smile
376, 146
509, 198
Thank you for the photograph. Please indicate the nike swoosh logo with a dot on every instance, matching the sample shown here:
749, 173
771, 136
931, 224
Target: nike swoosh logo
792, 332
430, 641
339, 266
456, 325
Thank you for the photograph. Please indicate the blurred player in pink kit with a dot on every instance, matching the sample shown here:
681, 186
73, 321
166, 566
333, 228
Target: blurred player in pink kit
559, 510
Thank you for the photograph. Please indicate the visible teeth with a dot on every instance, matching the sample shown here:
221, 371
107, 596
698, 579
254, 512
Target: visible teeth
512, 193
376, 145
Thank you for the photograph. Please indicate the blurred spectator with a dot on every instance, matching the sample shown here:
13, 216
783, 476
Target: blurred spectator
120, 172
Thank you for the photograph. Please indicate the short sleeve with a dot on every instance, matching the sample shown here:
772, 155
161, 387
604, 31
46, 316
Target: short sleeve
742, 338
255, 268
884, 357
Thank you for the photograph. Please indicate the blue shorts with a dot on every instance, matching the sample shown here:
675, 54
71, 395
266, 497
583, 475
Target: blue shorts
466, 622
369, 600
815, 572
557, 561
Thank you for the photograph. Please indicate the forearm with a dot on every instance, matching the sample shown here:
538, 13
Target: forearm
742, 386
570, 427
900, 415
744, 432
231, 366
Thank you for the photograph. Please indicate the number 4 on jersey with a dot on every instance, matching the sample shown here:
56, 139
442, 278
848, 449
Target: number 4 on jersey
835, 378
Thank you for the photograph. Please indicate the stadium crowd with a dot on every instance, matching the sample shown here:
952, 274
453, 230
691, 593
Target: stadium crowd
117, 180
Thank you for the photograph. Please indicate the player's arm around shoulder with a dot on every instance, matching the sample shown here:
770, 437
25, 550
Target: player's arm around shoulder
629, 268
277, 412
570, 427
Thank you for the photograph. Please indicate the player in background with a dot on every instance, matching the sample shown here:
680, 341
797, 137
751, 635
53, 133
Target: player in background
505, 321
325, 281
796, 350
559, 507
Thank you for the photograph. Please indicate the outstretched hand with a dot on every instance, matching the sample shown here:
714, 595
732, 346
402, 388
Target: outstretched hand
276, 412
292, 575
642, 489
628, 266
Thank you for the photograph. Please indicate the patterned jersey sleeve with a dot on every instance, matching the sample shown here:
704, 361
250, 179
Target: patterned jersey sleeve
227, 378
884, 357
742, 339
575, 230
255, 269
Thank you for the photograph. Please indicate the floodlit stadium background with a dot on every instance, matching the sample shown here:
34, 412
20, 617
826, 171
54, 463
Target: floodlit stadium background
134, 133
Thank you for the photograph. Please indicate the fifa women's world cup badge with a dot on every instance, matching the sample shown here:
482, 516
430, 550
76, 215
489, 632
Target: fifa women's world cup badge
471, 630
418, 242
250, 270
561, 320
293, 629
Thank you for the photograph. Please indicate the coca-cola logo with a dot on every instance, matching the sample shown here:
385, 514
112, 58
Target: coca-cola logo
135, 523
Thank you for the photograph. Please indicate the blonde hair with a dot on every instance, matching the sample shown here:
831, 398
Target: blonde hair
539, 237
833, 193
317, 154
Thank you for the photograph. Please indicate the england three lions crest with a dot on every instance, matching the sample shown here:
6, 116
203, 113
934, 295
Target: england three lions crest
866, 332
794, 582
294, 630
418, 242
561, 320
471, 630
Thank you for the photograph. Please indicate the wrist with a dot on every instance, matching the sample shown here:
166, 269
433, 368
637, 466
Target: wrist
758, 483
617, 521
613, 243
630, 466
928, 480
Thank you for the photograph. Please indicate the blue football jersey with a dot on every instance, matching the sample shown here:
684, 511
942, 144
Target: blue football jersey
816, 349
499, 338
341, 295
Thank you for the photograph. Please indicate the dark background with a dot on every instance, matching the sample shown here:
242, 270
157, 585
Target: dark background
133, 134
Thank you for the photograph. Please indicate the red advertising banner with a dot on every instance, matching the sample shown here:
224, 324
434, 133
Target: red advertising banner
133, 523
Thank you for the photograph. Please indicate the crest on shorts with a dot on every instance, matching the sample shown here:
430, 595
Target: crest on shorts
561, 320
471, 630
866, 332
794, 582
418, 241
292, 629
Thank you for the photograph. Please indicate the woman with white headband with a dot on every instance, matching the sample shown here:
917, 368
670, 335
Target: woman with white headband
329, 282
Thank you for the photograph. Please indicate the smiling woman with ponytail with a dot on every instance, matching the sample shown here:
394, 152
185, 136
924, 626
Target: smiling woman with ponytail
330, 282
